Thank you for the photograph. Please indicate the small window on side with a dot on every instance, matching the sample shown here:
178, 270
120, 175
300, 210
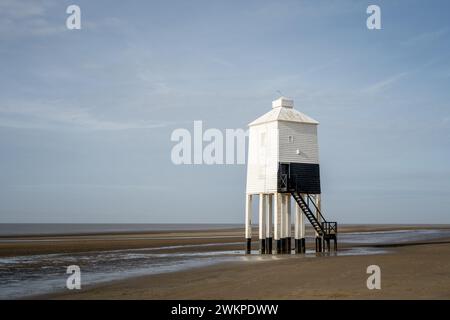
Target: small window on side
291, 139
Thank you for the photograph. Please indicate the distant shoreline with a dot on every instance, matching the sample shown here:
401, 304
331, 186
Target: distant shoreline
73, 229
13, 230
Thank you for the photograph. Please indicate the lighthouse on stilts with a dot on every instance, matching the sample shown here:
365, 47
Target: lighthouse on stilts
283, 164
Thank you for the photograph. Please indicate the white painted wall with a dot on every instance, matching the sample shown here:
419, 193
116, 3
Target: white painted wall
304, 139
262, 162
269, 144
281, 135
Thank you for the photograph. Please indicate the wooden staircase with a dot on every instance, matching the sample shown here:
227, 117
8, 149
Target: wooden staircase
325, 229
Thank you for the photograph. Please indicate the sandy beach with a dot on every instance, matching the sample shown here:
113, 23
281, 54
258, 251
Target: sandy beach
414, 272
410, 270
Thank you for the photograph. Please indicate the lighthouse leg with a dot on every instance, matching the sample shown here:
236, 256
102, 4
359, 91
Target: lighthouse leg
283, 223
318, 244
277, 223
299, 231
319, 207
319, 240
269, 226
302, 239
248, 223
300, 243
288, 224
262, 223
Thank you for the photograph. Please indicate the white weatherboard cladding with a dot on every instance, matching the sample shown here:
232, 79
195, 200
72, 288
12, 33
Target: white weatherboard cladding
281, 135
298, 142
262, 163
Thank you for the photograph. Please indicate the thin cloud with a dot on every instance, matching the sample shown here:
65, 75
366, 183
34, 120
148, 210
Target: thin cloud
391, 80
422, 38
27, 18
47, 116
385, 83
321, 67
24, 9
91, 186
222, 62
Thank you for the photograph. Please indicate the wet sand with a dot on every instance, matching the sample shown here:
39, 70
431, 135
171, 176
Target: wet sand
419, 270
411, 272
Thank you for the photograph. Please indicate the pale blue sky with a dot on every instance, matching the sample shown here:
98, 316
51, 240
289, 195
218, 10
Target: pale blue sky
86, 116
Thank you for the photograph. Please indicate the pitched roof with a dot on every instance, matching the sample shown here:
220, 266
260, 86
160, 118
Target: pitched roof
280, 112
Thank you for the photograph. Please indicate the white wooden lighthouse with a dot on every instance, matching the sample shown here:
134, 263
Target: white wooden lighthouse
283, 161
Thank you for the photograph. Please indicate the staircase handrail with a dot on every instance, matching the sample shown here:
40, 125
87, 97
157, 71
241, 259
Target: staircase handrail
317, 209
